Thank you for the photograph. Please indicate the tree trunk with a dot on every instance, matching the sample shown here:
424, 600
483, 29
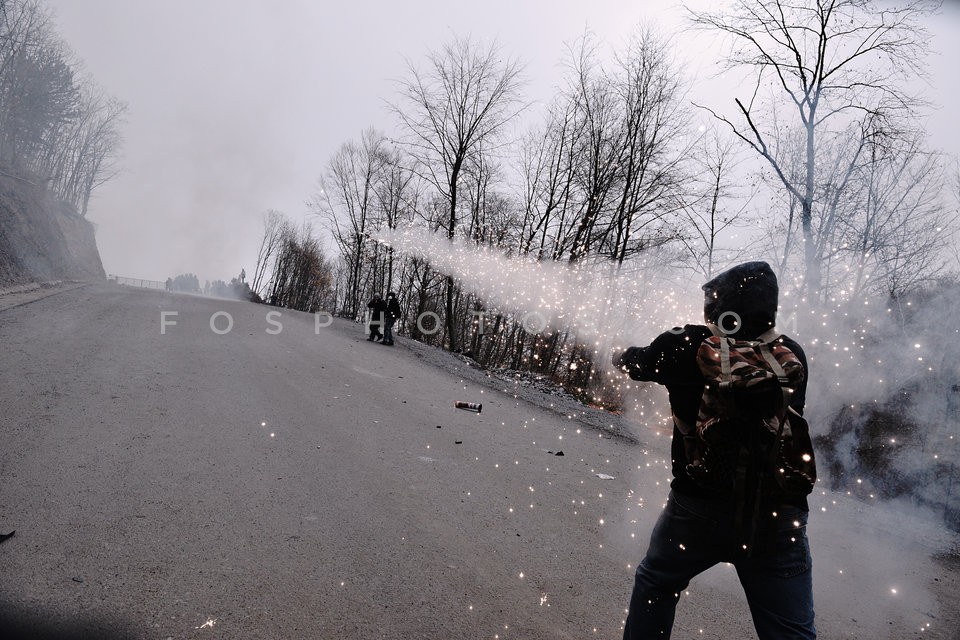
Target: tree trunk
451, 232
811, 259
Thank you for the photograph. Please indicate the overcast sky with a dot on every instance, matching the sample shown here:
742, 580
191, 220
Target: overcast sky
235, 106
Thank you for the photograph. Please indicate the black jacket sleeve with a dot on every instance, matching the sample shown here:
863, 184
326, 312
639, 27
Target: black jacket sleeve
669, 360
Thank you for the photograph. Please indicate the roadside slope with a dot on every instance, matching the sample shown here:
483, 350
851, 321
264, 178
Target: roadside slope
42, 238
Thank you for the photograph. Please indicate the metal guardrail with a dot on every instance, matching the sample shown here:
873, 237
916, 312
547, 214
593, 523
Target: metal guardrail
138, 282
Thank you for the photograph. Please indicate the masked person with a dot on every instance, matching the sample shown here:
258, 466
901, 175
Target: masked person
742, 462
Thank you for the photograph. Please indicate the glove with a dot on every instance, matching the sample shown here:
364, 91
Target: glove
630, 358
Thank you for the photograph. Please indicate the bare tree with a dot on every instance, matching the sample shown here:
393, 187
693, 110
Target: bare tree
274, 231
598, 144
717, 205
655, 146
612, 163
547, 169
902, 226
26, 40
464, 98
397, 197
347, 199
301, 277
955, 205
85, 156
881, 220
56, 125
493, 214
829, 62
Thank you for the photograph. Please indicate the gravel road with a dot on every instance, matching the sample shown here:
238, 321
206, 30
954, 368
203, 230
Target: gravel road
167, 481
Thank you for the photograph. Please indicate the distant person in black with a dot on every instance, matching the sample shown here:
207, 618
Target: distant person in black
378, 309
393, 314
696, 529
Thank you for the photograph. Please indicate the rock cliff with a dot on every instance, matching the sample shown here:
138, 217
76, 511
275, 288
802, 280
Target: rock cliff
43, 238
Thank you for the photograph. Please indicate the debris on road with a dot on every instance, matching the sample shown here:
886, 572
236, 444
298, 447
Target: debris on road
6, 536
468, 406
604, 476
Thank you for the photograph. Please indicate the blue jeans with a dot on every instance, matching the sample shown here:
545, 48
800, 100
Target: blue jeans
693, 534
388, 330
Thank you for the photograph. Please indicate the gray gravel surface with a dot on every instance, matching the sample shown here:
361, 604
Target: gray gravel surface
311, 484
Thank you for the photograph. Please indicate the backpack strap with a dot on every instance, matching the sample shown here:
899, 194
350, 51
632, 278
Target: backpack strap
775, 366
767, 354
726, 371
769, 335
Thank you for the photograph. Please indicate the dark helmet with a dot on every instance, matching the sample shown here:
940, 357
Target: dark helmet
742, 300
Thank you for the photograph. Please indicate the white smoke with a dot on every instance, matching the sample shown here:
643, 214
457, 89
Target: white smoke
860, 355
605, 305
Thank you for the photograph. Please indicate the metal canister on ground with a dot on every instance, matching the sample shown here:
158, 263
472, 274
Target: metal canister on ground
468, 406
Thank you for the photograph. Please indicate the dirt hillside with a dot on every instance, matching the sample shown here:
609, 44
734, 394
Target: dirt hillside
42, 238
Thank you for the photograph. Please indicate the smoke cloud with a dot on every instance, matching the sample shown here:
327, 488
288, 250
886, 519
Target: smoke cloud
877, 516
606, 305
899, 357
